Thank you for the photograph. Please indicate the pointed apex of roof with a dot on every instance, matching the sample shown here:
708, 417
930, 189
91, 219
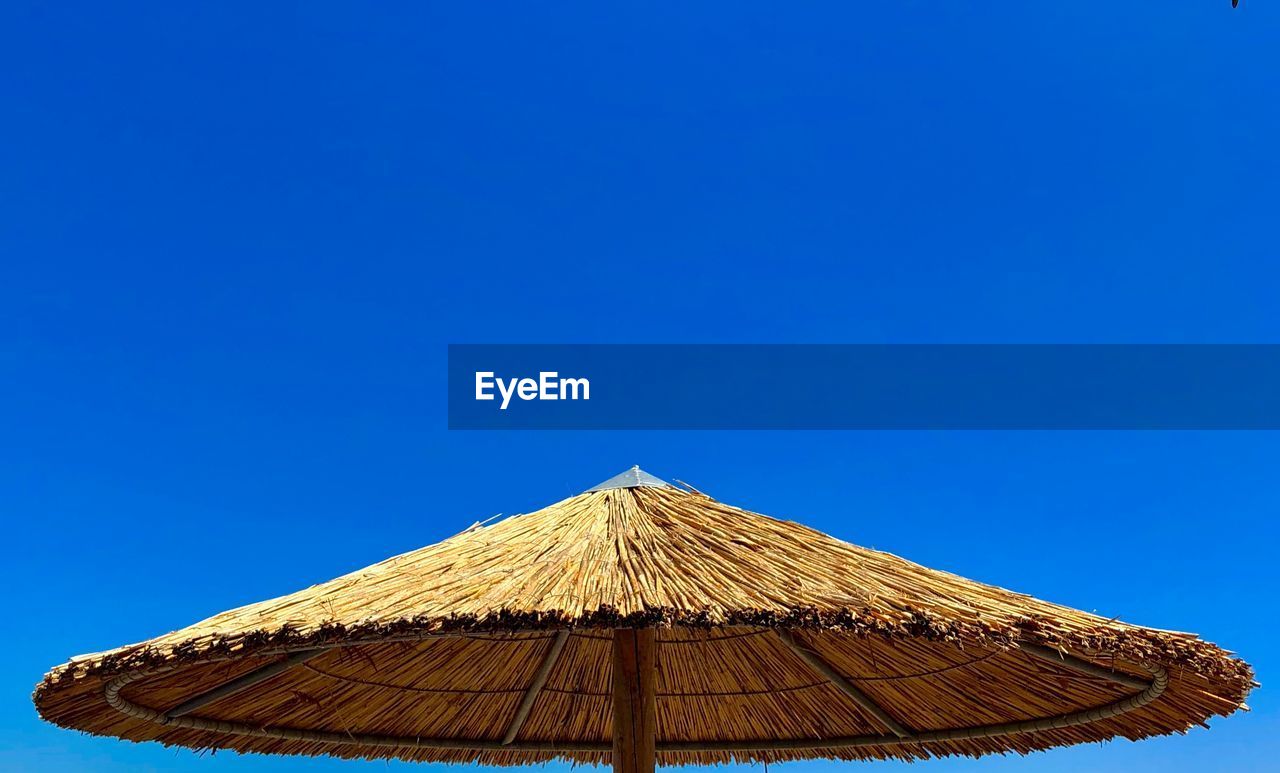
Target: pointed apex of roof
632, 478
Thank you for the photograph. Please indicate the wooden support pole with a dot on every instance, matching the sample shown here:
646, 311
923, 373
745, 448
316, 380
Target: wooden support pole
635, 705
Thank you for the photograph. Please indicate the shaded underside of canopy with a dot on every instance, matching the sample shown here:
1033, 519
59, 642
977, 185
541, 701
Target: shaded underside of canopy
430, 655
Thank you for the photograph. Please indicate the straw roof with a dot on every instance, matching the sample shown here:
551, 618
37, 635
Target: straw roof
767, 634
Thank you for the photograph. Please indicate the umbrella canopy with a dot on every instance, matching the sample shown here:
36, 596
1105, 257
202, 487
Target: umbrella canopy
638, 623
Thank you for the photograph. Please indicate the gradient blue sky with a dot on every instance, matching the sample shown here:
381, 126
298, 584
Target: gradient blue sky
234, 241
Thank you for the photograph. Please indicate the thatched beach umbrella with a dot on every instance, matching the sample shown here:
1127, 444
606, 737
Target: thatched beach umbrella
638, 623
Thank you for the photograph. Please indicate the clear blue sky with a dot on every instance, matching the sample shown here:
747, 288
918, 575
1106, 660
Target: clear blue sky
235, 240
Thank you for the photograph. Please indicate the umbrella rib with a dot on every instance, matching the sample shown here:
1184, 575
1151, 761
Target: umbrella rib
1079, 665
859, 697
1153, 690
535, 687
243, 682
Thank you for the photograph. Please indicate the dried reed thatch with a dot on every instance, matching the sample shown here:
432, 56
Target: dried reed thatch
638, 622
